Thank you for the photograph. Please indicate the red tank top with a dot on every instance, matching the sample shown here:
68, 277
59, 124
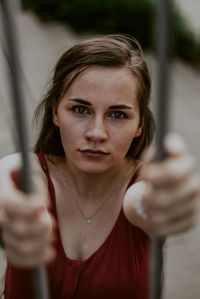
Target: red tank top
117, 269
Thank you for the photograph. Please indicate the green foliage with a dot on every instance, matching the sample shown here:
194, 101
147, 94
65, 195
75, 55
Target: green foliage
135, 17
185, 44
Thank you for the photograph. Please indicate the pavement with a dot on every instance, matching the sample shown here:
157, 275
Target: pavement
40, 47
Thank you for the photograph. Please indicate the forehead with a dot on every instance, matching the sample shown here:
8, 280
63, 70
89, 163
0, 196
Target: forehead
110, 84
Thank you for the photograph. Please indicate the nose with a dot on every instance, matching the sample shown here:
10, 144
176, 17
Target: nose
97, 130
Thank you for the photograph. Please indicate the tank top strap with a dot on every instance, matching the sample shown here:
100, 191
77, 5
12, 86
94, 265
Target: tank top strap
43, 162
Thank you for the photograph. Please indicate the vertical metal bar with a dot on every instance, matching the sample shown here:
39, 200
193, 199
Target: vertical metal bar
17, 96
39, 281
162, 37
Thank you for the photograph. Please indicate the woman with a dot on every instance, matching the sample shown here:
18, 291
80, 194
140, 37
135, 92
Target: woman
95, 204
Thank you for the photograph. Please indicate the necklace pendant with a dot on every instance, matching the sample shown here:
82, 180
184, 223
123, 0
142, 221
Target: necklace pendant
88, 220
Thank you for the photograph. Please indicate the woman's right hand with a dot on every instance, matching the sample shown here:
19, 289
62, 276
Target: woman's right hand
26, 225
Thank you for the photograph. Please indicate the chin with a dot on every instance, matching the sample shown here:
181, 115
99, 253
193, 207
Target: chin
93, 169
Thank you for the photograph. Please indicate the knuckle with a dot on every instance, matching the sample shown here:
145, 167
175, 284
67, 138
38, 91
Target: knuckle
30, 248
161, 201
163, 204
25, 248
20, 229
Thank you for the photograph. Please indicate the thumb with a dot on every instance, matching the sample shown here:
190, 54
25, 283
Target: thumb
174, 145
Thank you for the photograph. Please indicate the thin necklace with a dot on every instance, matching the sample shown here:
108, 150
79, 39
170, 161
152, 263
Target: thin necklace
89, 218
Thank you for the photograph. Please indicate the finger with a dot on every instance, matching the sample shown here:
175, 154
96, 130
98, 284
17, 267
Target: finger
162, 226
28, 208
174, 144
172, 214
23, 246
179, 225
169, 172
167, 199
26, 245
30, 260
41, 229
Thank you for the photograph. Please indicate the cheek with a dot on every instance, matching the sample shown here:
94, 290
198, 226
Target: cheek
67, 133
123, 141
70, 135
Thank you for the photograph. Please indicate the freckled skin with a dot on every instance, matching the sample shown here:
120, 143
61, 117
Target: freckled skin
96, 125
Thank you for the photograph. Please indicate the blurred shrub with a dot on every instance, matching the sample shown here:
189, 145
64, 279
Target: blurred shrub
135, 17
186, 46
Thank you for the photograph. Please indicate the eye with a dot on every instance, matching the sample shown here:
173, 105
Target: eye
118, 115
80, 109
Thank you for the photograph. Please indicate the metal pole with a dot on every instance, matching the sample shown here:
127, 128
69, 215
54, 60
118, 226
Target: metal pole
39, 281
163, 17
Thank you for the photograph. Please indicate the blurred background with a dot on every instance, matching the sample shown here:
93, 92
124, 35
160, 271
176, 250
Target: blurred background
46, 28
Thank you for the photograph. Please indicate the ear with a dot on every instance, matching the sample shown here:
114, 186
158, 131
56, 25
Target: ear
55, 118
138, 132
140, 128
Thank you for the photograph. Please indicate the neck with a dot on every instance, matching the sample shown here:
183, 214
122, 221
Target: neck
89, 185
91, 193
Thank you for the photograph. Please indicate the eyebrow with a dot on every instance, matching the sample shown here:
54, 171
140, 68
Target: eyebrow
120, 107
81, 101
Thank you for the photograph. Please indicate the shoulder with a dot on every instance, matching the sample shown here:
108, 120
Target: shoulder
13, 162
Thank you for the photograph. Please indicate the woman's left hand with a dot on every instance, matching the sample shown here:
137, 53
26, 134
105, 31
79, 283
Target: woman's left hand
172, 186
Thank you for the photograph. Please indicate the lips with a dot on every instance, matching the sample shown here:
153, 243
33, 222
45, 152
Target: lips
94, 152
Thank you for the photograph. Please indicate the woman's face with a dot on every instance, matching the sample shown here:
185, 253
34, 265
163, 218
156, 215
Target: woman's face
98, 118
